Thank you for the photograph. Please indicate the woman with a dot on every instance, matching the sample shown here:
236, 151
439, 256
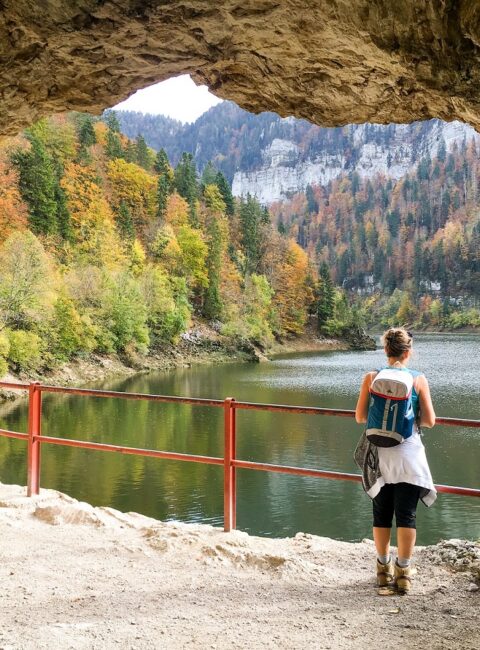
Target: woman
397, 477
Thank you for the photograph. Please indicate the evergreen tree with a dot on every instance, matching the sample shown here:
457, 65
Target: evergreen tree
38, 184
312, 204
113, 148
112, 122
164, 184
251, 215
161, 164
186, 184
86, 132
143, 157
130, 152
209, 176
326, 297
124, 222
63, 215
226, 192
281, 228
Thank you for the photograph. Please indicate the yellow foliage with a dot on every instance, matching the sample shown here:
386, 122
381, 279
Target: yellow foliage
135, 187
292, 293
137, 257
176, 213
92, 217
101, 129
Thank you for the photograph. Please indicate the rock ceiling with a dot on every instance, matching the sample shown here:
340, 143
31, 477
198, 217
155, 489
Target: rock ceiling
330, 61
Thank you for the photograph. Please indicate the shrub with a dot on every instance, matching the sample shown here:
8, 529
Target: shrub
3, 367
4, 345
25, 350
67, 333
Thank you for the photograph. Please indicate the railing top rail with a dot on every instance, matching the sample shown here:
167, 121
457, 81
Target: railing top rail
308, 410
133, 396
14, 385
200, 401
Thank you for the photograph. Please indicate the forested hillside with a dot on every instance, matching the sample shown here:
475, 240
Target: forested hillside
418, 236
105, 247
393, 212
271, 157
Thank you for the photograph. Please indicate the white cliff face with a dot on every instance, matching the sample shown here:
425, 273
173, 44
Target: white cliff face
283, 172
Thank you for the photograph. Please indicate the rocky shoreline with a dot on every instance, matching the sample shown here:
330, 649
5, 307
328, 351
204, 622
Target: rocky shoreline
200, 344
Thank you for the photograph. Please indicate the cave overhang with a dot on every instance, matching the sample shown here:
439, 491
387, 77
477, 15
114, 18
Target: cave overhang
332, 62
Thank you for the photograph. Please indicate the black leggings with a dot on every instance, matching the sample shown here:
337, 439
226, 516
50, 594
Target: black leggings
399, 498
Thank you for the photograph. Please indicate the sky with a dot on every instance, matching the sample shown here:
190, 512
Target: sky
178, 97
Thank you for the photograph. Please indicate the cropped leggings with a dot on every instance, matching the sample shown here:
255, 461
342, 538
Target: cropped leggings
400, 499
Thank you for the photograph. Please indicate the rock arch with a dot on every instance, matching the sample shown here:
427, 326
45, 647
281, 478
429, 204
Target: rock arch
330, 61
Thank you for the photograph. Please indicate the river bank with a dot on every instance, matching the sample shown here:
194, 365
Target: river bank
127, 581
200, 344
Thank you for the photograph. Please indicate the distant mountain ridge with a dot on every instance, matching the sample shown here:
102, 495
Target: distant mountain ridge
272, 158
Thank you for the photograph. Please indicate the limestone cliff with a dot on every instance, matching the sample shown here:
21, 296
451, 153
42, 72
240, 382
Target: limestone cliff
283, 172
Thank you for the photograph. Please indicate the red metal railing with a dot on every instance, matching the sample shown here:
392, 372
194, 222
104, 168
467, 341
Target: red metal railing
230, 462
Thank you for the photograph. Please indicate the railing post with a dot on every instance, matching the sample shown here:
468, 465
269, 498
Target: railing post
229, 486
34, 430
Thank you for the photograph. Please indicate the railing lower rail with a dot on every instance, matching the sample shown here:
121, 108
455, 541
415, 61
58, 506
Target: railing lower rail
230, 462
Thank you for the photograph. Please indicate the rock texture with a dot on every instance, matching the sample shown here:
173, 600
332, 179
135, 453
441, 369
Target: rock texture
331, 62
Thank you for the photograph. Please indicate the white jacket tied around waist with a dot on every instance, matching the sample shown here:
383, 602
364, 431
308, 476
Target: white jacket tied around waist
405, 463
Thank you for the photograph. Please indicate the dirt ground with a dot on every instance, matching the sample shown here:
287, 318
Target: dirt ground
73, 576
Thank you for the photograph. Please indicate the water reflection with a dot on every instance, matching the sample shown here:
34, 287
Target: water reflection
268, 504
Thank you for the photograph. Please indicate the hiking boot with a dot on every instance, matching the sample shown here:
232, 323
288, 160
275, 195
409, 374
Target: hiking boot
403, 578
384, 574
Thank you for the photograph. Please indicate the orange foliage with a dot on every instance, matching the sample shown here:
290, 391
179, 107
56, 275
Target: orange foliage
13, 211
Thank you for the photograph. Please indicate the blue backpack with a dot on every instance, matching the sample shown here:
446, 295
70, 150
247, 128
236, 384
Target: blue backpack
390, 412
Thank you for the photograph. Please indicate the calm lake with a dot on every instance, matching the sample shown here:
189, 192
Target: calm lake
268, 504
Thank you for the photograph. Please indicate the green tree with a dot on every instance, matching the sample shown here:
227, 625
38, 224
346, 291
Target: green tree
216, 234
124, 221
86, 132
38, 184
251, 217
165, 182
226, 192
143, 155
326, 297
26, 281
186, 184
209, 176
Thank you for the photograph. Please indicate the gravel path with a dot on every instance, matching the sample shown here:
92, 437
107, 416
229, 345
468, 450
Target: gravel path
79, 577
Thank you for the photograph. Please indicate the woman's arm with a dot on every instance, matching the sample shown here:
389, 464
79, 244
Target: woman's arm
427, 414
361, 411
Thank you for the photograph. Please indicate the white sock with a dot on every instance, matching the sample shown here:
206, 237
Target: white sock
403, 562
384, 559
